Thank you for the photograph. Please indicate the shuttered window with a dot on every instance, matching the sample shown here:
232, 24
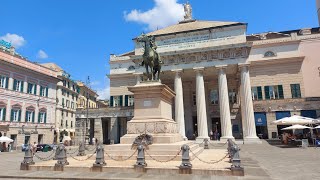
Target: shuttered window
2, 114
273, 92
256, 93
4, 81
295, 90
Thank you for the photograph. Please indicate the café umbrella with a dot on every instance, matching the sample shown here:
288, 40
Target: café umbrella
297, 126
5, 139
318, 127
295, 119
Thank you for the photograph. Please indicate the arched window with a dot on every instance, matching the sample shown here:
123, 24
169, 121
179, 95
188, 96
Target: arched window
269, 54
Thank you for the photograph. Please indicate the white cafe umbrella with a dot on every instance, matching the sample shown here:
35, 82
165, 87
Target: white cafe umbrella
297, 126
66, 138
295, 119
318, 127
5, 139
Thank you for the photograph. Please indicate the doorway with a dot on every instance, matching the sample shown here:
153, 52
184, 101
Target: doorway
105, 131
216, 125
40, 138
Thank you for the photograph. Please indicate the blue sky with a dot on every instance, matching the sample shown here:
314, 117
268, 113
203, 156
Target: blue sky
79, 35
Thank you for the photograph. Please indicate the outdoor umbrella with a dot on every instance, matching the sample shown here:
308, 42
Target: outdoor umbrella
318, 127
295, 119
297, 126
5, 139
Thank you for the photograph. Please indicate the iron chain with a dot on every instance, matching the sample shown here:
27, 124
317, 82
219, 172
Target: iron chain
72, 152
206, 162
48, 158
218, 145
88, 157
122, 159
165, 160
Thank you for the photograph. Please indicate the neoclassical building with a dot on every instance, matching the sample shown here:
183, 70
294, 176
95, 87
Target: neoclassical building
27, 99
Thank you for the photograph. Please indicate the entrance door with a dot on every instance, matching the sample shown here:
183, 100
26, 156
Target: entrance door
26, 139
40, 138
216, 125
261, 125
105, 131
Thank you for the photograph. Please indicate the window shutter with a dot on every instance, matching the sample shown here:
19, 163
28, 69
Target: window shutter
19, 117
259, 89
293, 94
35, 89
298, 91
45, 118
11, 117
280, 89
33, 116
21, 87
4, 114
126, 100
121, 101
47, 91
26, 118
7, 82
14, 84
266, 91
39, 117
41, 88
111, 101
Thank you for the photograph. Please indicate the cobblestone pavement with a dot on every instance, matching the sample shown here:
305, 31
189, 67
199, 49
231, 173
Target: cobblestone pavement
260, 162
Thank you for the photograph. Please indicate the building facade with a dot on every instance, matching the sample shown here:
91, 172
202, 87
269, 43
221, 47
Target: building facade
86, 95
67, 97
228, 81
27, 99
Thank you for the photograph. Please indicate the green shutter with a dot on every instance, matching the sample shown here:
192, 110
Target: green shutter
28, 90
45, 118
35, 89
21, 87
41, 88
39, 117
11, 117
26, 118
121, 101
298, 91
19, 117
293, 94
14, 84
33, 116
111, 101
126, 100
47, 91
266, 91
280, 89
259, 89
4, 114
7, 82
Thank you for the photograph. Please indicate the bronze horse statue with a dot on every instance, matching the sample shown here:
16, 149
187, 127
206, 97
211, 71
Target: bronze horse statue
151, 58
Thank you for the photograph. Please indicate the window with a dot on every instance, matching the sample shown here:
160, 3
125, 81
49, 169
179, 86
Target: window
71, 114
269, 54
62, 102
42, 117
194, 98
2, 113
66, 123
29, 116
64, 83
117, 101
32, 88
71, 124
15, 115
67, 103
4, 81
61, 124
130, 100
256, 93
67, 113
43, 91
214, 96
274, 92
295, 90
67, 93
18, 85
232, 96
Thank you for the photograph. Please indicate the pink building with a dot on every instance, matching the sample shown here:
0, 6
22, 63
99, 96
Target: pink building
27, 99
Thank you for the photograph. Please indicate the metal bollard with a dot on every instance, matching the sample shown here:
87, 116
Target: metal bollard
61, 155
100, 156
185, 157
28, 159
206, 144
141, 161
82, 149
236, 162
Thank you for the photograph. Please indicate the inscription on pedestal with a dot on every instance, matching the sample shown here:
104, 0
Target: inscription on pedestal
147, 103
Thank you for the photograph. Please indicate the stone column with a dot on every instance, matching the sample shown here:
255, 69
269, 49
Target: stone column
98, 132
201, 106
179, 106
114, 129
225, 118
247, 106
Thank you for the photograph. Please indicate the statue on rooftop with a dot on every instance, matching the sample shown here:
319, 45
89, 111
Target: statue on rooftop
187, 11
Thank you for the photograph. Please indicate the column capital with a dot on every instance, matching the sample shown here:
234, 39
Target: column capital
198, 69
242, 65
221, 67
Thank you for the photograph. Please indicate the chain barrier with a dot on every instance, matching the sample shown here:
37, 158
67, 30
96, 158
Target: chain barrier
161, 160
206, 162
90, 150
68, 153
215, 145
48, 158
122, 159
88, 157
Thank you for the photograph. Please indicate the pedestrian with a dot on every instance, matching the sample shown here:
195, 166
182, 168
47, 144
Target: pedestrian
218, 136
34, 148
9, 147
211, 135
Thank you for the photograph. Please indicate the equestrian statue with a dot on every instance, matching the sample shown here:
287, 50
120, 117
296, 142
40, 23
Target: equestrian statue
151, 58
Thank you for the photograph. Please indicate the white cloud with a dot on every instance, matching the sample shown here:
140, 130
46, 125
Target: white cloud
104, 93
15, 40
42, 55
163, 14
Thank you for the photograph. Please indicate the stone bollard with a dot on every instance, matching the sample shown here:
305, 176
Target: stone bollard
61, 157
82, 149
28, 158
236, 162
206, 144
185, 167
141, 161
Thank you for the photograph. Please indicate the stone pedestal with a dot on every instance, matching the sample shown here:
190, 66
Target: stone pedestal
152, 114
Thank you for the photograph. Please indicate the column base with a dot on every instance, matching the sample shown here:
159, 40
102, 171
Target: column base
200, 140
225, 138
251, 140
